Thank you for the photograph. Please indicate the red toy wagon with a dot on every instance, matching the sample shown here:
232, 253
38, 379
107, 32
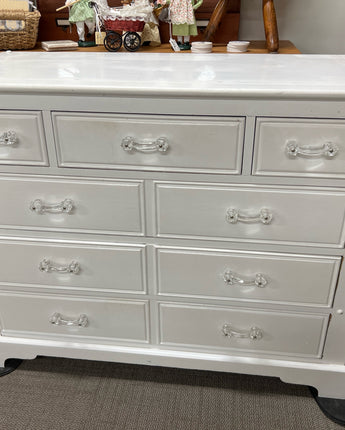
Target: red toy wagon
123, 24
115, 29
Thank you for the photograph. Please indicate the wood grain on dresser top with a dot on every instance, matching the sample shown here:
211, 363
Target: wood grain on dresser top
168, 274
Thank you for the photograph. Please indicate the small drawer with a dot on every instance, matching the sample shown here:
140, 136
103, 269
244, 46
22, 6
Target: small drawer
299, 147
79, 205
149, 142
291, 215
71, 267
247, 276
227, 329
49, 317
22, 139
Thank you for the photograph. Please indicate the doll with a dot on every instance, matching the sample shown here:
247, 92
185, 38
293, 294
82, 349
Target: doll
183, 20
82, 14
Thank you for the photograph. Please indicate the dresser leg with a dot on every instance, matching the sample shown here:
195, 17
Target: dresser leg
10, 365
334, 409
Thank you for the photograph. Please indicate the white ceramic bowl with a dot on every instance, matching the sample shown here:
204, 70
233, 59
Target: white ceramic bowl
237, 46
199, 44
201, 47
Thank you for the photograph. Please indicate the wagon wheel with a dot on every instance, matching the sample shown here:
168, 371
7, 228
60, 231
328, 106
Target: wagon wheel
113, 41
132, 41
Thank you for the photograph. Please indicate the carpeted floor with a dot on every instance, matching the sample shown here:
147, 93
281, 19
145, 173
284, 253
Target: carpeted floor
64, 394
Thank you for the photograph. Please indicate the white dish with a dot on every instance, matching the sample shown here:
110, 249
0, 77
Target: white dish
237, 46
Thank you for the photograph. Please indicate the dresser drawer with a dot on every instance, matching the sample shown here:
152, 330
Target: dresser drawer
238, 329
304, 215
22, 140
107, 268
72, 205
85, 319
245, 276
189, 144
299, 147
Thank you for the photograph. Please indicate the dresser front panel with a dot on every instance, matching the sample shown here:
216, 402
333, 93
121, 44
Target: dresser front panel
118, 320
267, 277
101, 206
162, 210
27, 146
300, 215
299, 147
202, 327
120, 268
195, 144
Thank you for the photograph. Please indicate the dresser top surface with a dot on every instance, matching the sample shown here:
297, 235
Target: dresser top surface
221, 75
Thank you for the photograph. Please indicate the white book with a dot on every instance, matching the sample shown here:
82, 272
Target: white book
59, 45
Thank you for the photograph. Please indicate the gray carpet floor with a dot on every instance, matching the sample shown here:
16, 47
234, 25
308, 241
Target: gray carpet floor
63, 394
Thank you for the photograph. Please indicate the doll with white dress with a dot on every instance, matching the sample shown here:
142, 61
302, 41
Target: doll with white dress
183, 20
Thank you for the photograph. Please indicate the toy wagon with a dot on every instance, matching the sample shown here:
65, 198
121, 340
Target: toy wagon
123, 24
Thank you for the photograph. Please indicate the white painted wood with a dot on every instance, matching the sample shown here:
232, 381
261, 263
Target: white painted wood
94, 141
299, 215
120, 320
291, 279
222, 75
99, 206
104, 268
165, 310
282, 333
273, 134
30, 147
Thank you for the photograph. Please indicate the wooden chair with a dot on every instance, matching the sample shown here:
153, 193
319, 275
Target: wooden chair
269, 17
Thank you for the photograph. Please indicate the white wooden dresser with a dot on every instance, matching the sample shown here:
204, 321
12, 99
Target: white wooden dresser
175, 210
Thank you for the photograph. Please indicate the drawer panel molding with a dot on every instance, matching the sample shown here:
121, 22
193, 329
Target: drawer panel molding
53, 317
22, 138
234, 329
299, 147
290, 279
149, 142
251, 213
72, 267
78, 205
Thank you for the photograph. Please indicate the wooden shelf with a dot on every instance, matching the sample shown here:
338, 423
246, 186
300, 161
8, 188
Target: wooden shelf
255, 47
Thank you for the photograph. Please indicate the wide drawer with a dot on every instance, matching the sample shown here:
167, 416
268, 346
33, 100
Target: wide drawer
105, 206
299, 147
230, 329
247, 276
35, 316
190, 144
304, 215
22, 140
107, 268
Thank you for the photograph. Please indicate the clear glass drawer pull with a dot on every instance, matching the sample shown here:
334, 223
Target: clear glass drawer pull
233, 216
326, 150
46, 266
232, 278
66, 206
8, 138
58, 319
253, 333
129, 144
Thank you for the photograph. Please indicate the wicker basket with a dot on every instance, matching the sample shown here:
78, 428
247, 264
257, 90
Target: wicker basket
20, 39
